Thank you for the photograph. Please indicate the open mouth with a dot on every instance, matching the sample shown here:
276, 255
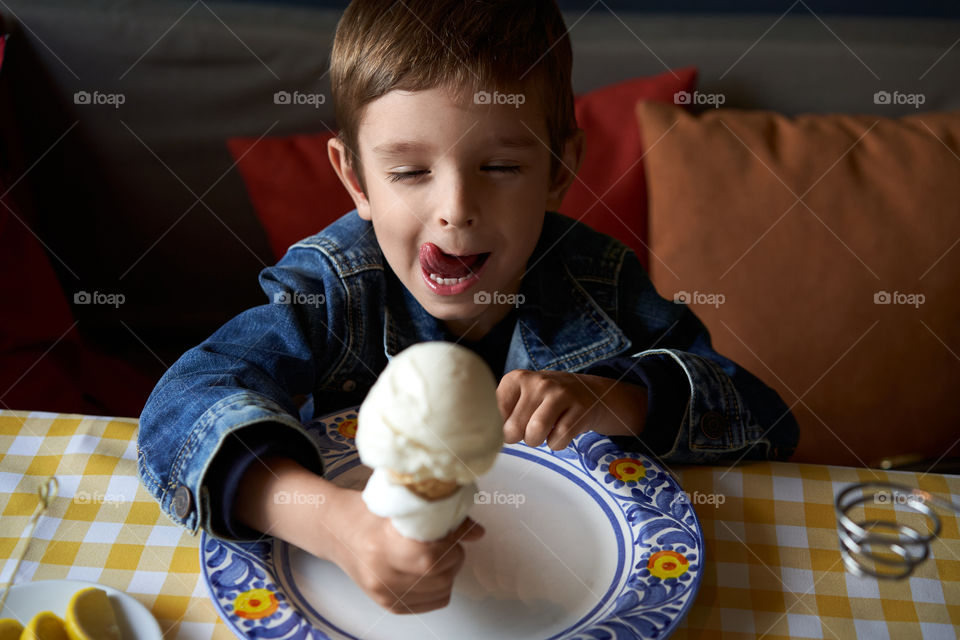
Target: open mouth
449, 273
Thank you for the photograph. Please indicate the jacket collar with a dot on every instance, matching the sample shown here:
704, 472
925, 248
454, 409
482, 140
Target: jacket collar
559, 325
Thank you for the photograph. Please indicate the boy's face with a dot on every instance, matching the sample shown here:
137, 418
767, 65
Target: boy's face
456, 192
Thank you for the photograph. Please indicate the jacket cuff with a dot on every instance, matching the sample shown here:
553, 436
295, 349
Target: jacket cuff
667, 398
713, 424
242, 448
181, 497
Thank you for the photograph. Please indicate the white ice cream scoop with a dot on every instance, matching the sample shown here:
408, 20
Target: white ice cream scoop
430, 420
432, 414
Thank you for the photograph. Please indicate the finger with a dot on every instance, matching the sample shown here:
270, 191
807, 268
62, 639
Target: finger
428, 558
426, 589
508, 394
442, 561
447, 552
568, 426
515, 428
417, 561
468, 530
433, 584
544, 419
434, 603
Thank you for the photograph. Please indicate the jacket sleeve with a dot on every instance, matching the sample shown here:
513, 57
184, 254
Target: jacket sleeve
247, 373
702, 407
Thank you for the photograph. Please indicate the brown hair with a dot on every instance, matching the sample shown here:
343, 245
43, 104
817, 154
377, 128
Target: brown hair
463, 45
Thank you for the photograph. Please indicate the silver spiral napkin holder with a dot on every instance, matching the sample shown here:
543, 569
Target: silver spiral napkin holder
886, 549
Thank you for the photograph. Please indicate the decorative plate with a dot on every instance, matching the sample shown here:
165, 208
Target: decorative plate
586, 543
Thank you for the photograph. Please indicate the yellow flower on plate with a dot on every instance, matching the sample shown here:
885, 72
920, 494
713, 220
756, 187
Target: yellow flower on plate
348, 428
667, 564
255, 604
627, 469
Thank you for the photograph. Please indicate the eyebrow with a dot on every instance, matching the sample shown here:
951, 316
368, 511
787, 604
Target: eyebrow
401, 147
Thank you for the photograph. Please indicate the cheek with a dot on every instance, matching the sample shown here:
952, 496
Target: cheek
397, 233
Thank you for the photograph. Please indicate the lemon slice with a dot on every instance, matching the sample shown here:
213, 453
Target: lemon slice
10, 629
46, 625
90, 616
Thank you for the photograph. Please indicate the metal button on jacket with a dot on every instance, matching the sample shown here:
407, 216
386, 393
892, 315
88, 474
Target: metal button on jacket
349, 385
182, 502
713, 424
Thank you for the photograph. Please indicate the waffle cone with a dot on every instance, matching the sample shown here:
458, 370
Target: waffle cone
428, 489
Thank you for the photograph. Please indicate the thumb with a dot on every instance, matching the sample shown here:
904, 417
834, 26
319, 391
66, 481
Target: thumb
468, 530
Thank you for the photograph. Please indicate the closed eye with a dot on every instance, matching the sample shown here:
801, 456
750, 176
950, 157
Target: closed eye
407, 175
412, 175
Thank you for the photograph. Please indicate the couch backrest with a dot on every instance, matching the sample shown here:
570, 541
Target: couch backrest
117, 187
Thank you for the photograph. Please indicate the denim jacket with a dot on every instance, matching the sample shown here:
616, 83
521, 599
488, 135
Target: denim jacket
336, 313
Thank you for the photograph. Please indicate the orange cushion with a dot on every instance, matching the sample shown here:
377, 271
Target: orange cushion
610, 191
805, 244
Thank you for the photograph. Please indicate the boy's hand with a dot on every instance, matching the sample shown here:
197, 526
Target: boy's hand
556, 406
399, 574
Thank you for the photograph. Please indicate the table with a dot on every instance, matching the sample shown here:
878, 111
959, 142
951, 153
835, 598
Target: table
772, 564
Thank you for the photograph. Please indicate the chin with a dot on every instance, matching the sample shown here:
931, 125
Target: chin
465, 311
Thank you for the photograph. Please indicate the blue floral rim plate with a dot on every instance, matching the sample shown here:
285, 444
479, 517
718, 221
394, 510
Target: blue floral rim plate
539, 575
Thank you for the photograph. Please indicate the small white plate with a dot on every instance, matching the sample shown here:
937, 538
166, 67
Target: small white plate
589, 543
30, 598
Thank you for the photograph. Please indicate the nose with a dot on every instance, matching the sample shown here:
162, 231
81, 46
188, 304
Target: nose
458, 209
456, 219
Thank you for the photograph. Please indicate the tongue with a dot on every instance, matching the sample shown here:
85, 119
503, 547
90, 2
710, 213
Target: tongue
444, 265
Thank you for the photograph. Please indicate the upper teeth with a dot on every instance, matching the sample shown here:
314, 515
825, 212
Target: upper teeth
448, 281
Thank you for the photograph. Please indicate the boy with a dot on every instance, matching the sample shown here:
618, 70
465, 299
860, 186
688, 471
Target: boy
457, 135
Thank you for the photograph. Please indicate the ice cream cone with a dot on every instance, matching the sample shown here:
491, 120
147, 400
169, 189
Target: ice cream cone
428, 489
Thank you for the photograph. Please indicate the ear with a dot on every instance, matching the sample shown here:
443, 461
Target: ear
572, 158
340, 161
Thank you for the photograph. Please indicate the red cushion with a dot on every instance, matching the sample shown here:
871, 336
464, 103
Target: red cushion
294, 190
296, 193
612, 170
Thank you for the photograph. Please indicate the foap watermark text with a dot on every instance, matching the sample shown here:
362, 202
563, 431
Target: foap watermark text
697, 498
897, 297
95, 497
98, 297
896, 97
714, 100
495, 297
98, 98
298, 497
485, 97
299, 298
698, 297
298, 98
498, 498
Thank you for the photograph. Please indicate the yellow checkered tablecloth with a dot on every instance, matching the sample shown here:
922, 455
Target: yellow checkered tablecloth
772, 566
103, 526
